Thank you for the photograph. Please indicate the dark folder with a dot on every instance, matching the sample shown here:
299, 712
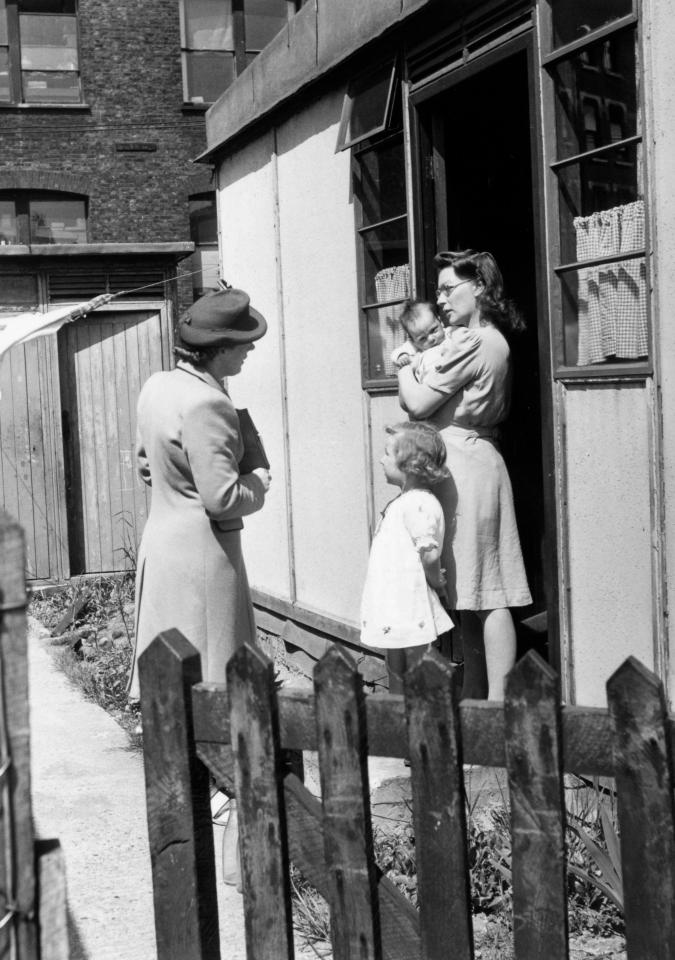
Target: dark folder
254, 452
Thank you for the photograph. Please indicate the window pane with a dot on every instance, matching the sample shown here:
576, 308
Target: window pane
208, 25
387, 273
572, 20
51, 87
379, 182
3, 21
9, 232
383, 332
594, 185
264, 20
19, 291
605, 313
58, 221
48, 43
203, 220
47, 6
596, 98
4, 74
366, 104
208, 75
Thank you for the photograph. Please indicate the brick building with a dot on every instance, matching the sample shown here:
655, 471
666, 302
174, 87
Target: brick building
101, 116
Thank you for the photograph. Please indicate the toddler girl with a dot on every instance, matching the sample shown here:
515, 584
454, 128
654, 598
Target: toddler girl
400, 607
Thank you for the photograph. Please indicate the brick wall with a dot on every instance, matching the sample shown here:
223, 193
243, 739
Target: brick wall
132, 84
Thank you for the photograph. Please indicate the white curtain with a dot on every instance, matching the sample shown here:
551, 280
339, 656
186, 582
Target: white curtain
612, 298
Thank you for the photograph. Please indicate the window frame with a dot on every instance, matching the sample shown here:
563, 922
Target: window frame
241, 55
348, 102
23, 199
15, 71
549, 57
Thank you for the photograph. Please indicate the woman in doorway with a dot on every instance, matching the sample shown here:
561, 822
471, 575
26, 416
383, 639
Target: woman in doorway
191, 572
467, 396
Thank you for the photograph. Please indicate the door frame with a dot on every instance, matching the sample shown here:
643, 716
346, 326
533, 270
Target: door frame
424, 162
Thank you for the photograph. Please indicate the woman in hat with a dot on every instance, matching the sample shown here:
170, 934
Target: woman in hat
191, 573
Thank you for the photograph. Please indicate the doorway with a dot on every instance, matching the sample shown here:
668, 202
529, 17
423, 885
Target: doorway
476, 191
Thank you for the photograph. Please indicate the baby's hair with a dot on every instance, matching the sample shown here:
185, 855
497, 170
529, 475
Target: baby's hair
419, 450
411, 311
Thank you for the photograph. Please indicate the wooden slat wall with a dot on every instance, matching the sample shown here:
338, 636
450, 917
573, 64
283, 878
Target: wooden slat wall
106, 359
31, 471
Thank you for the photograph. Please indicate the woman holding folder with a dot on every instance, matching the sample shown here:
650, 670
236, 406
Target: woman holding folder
191, 573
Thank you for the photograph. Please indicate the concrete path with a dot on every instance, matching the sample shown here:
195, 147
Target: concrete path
88, 791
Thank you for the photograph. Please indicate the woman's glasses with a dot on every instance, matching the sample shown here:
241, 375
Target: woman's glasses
446, 288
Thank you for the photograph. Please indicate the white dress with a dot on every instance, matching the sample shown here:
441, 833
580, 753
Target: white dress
398, 607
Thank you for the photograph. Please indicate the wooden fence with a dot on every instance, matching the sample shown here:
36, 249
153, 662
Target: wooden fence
242, 734
33, 912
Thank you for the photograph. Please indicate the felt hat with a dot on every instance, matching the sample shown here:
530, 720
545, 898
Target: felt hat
222, 317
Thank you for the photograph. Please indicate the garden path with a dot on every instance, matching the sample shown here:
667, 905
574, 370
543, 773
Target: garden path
88, 791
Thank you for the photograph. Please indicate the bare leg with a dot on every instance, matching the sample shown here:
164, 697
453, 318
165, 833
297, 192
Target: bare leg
475, 686
499, 638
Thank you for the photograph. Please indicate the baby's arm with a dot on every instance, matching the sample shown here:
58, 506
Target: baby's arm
403, 355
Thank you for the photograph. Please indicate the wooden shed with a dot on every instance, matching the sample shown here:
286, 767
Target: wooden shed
366, 137
68, 400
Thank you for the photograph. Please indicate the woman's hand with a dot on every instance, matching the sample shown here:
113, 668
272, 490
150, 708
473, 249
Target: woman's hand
264, 476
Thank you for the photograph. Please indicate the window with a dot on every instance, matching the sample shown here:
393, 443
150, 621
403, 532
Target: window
378, 177
204, 234
39, 52
600, 289
220, 38
367, 106
42, 218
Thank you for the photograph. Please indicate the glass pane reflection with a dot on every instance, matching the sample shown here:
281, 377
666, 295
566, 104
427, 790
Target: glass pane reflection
385, 251
379, 182
208, 75
264, 20
384, 332
58, 221
48, 43
573, 20
50, 87
208, 24
4, 75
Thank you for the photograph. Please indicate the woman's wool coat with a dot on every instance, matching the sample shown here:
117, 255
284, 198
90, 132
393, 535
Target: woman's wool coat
190, 573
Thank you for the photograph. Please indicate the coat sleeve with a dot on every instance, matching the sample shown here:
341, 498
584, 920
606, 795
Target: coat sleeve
210, 439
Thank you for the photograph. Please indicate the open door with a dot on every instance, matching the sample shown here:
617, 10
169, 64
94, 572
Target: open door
475, 190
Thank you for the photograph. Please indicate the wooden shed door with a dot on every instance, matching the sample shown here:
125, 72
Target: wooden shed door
31, 462
104, 360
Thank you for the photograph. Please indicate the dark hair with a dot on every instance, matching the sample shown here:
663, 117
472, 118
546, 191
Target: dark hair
199, 356
410, 311
482, 267
419, 450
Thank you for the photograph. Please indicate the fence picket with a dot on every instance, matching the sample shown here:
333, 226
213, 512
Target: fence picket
644, 781
348, 841
254, 726
534, 764
177, 798
432, 706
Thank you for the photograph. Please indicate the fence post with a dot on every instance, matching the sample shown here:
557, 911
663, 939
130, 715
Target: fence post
532, 727
348, 839
644, 781
177, 797
17, 855
254, 732
432, 708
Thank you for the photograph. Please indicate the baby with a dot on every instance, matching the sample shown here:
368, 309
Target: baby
425, 332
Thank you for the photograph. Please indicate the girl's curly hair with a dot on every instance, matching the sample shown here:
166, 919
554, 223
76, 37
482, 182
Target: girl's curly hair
482, 267
198, 356
419, 450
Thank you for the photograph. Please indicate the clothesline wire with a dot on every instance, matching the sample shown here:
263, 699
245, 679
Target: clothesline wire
155, 283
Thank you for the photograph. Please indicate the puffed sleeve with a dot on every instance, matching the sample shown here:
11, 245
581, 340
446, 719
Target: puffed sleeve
458, 363
423, 519
210, 439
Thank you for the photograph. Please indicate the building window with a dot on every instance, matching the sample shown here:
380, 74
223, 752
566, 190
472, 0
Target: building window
41, 217
39, 52
378, 178
595, 151
219, 38
204, 235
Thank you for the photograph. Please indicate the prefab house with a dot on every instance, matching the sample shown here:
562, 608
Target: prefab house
366, 137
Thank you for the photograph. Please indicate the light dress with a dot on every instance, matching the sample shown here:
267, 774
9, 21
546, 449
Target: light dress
398, 607
482, 556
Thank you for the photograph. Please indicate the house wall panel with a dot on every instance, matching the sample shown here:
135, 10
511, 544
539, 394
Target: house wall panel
249, 251
609, 524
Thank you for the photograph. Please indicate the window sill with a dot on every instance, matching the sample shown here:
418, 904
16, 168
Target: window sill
606, 371
79, 107
200, 108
